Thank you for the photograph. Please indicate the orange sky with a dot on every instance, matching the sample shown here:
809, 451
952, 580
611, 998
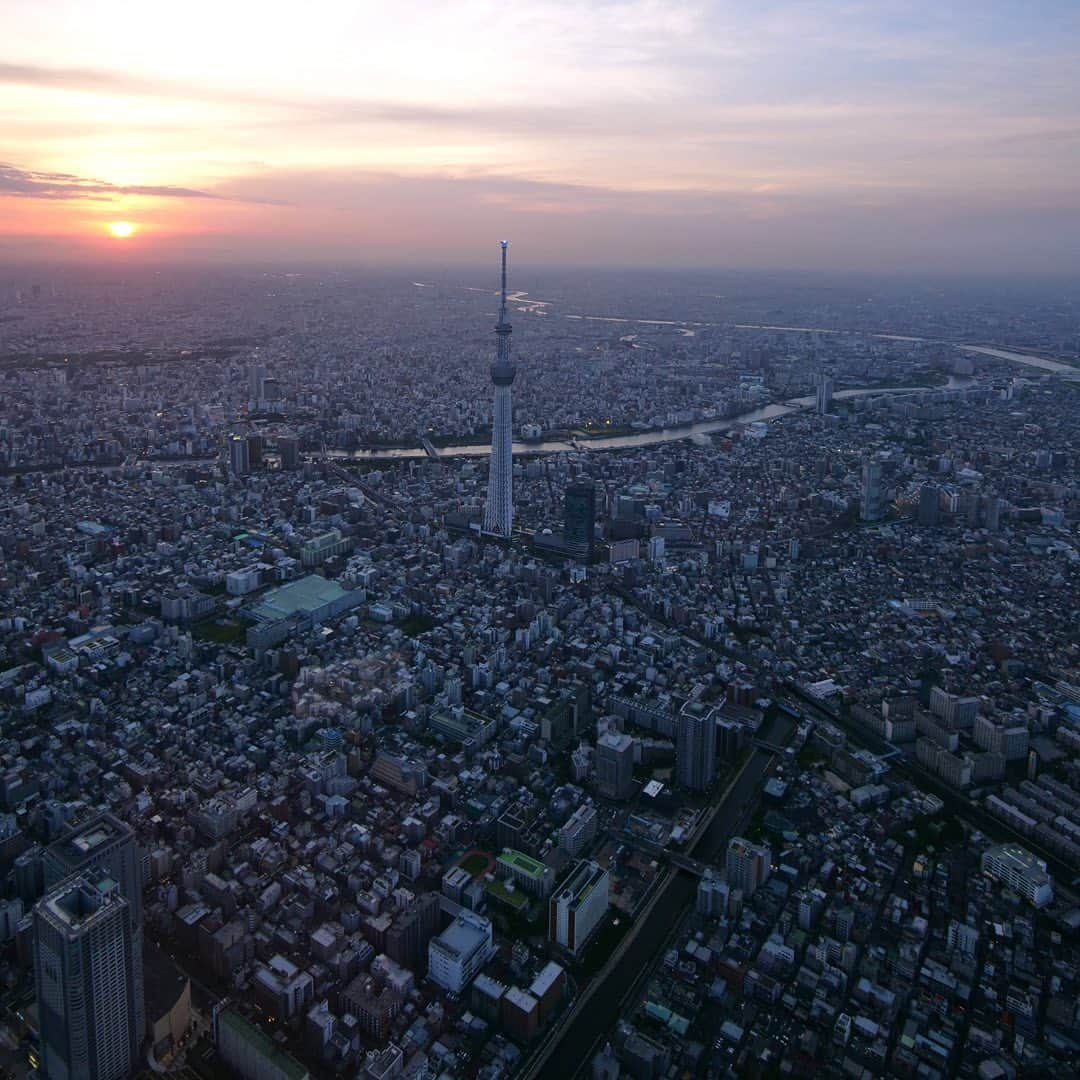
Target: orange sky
836, 133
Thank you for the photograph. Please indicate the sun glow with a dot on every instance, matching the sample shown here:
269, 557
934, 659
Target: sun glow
121, 229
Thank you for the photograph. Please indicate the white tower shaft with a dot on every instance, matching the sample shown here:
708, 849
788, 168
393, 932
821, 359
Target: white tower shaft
499, 510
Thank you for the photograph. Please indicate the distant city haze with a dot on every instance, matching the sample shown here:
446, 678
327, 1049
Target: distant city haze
908, 137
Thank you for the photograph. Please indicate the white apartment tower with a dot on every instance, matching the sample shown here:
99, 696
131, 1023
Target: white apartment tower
578, 906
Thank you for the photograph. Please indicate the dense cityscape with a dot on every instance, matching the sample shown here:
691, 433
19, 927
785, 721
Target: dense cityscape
691, 688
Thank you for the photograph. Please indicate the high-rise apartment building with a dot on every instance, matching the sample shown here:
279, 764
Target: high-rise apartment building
579, 519
695, 746
105, 843
712, 896
89, 1002
748, 865
1010, 742
579, 831
499, 509
958, 713
578, 906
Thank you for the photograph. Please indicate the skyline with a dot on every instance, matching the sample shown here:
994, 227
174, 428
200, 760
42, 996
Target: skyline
834, 136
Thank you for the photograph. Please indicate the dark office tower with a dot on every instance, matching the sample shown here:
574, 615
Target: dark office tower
255, 450
289, 449
272, 392
695, 748
104, 843
239, 457
970, 502
29, 875
872, 504
89, 1003
412, 929
928, 505
615, 765
256, 378
579, 517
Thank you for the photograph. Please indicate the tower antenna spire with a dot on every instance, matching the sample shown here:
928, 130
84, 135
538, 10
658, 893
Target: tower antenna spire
504, 244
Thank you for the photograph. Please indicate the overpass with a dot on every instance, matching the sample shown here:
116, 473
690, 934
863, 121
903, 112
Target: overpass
655, 851
429, 448
773, 748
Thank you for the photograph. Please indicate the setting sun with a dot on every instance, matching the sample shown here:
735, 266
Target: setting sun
121, 229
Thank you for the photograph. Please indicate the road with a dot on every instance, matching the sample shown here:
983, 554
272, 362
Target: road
569, 1050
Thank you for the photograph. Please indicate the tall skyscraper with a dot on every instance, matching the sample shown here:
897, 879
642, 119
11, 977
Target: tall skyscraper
872, 505
579, 518
104, 843
289, 449
695, 747
239, 455
824, 394
89, 1002
499, 511
256, 378
928, 504
615, 765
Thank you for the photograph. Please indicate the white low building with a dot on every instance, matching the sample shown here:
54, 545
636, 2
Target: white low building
460, 951
1017, 868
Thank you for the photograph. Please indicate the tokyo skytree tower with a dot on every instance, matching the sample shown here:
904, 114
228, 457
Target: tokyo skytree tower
499, 511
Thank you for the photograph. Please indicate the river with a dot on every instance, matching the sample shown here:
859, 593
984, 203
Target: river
645, 438
1027, 359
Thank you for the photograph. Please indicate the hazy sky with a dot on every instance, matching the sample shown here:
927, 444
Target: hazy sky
882, 135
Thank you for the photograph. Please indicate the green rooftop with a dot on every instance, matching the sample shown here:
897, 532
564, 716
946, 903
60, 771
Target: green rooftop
498, 891
520, 861
263, 1045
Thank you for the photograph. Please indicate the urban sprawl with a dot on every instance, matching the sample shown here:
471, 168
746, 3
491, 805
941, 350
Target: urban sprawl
722, 721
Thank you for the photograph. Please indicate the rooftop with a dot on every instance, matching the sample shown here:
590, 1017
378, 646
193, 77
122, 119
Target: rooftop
1021, 860
263, 1045
302, 596
86, 840
520, 861
163, 981
462, 936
